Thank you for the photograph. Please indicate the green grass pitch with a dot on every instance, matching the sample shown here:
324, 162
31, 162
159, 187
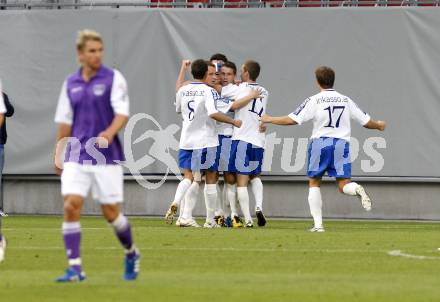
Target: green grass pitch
281, 262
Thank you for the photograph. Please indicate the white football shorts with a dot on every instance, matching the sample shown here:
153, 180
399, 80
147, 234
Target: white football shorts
106, 181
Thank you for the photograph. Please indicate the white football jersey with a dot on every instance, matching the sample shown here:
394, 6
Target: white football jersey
250, 116
196, 102
331, 113
228, 94
230, 91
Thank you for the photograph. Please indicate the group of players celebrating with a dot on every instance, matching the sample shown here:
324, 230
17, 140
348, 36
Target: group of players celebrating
224, 124
221, 133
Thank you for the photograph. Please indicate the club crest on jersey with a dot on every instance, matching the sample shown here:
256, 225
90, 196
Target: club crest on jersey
98, 89
215, 95
225, 100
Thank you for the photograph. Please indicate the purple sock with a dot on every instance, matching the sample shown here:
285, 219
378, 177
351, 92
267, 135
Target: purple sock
123, 231
72, 240
126, 240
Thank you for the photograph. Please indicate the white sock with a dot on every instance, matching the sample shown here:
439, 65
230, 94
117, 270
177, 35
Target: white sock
120, 224
226, 205
210, 201
218, 202
350, 188
182, 205
315, 203
181, 191
243, 199
231, 196
190, 200
257, 189
71, 227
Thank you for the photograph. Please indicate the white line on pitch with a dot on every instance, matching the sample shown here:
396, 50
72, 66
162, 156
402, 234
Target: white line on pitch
399, 253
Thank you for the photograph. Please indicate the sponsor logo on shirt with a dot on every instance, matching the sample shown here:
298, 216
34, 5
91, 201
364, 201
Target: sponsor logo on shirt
76, 89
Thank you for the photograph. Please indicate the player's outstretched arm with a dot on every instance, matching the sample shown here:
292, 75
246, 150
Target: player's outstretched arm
240, 103
181, 77
377, 125
277, 120
223, 118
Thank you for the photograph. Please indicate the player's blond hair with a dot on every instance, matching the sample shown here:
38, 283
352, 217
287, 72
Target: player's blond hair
86, 35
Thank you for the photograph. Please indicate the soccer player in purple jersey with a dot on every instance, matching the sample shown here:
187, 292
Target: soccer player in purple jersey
92, 108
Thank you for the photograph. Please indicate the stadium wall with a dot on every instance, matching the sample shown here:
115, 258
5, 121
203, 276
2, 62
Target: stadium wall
386, 59
282, 198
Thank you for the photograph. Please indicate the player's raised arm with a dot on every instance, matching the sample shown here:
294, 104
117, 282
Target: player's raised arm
240, 103
181, 77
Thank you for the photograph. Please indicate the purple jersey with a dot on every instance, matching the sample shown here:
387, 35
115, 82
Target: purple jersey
90, 107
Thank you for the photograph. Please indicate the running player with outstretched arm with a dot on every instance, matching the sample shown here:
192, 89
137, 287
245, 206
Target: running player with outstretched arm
329, 150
